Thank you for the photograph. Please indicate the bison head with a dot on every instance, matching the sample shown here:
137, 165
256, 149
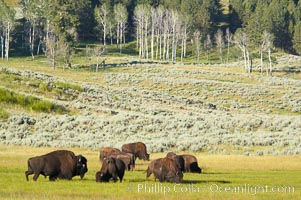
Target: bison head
102, 177
143, 156
147, 157
81, 166
176, 177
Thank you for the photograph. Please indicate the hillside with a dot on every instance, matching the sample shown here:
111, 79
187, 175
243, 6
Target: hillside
215, 109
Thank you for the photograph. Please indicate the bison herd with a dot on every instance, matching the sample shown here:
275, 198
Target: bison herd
65, 164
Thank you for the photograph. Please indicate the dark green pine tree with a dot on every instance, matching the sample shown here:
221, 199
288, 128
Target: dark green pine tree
279, 21
64, 19
297, 38
257, 23
85, 28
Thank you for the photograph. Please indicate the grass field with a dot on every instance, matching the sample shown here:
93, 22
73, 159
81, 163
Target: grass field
224, 177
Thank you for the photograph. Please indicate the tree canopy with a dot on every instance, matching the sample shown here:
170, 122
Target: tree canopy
84, 20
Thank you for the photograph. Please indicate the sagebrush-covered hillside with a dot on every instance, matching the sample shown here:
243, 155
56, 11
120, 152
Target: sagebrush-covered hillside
192, 108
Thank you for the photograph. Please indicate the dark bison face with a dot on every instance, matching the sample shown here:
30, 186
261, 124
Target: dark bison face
147, 157
81, 166
143, 156
102, 177
176, 177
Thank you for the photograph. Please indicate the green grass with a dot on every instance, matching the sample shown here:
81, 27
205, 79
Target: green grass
65, 85
222, 171
3, 113
29, 102
38, 87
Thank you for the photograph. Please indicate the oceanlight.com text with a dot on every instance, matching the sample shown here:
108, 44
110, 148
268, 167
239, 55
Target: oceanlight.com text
249, 189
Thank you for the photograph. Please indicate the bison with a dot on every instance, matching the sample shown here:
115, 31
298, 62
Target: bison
111, 168
107, 151
178, 159
61, 164
191, 164
165, 169
127, 158
136, 148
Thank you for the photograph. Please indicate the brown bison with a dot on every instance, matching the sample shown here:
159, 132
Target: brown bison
61, 164
191, 164
127, 158
165, 169
178, 159
111, 168
106, 151
136, 148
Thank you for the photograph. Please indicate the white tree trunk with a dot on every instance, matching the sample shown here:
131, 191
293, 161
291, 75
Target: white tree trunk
137, 37
2, 47
32, 41
182, 49
157, 43
152, 38
146, 39
160, 42
248, 62
228, 51
164, 44
111, 34
270, 60
47, 35
154, 19
142, 39
120, 36
185, 41
7, 40
245, 58
261, 61
117, 35
174, 42
104, 34
167, 46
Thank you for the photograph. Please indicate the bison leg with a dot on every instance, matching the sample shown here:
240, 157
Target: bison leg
52, 178
27, 173
114, 177
148, 173
36, 176
120, 175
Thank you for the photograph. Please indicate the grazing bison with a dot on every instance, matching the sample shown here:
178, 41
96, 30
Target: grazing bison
136, 148
165, 169
178, 159
191, 164
111, 168
127, 158
61, 164
107, 151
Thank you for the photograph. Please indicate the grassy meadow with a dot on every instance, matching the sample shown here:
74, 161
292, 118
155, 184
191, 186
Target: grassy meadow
224, 177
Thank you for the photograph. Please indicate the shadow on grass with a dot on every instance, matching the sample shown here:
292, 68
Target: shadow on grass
213, 173
103, 65
205, 181
150, 180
